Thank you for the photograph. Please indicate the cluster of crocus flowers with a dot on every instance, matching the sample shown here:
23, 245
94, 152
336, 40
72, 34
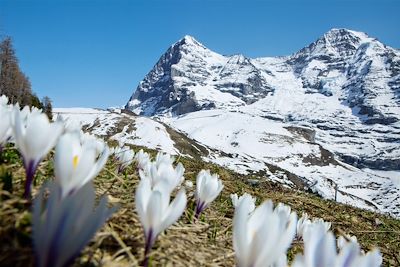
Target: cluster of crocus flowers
262, 236
208, 187
320, 250
163, 170
65, 216
156, 213
124, 156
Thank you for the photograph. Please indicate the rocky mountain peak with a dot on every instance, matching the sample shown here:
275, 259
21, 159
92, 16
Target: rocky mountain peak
344, 42
190, 40
336, 43
188, 45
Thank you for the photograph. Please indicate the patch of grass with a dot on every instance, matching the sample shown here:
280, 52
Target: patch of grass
205, 242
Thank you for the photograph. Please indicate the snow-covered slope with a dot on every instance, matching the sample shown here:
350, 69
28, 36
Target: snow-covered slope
121, 127
250, 143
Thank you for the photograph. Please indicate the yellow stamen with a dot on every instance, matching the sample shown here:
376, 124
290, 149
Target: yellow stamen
75, 161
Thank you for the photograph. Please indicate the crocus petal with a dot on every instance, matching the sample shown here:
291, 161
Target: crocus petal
175, 210
240, 240
154, 212
348, 255
142, 197
63, 226
208, 187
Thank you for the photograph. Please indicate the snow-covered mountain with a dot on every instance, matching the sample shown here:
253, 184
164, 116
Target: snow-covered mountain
360, 70
325, 116
345, 85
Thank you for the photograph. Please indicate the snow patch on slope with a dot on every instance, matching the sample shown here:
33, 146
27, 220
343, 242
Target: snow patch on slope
148, 133
121, 127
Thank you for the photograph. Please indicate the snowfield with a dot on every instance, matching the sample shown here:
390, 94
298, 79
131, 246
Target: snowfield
126, 129
254, 142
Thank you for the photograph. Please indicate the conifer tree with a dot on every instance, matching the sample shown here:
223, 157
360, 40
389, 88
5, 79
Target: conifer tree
13, 82
47, 107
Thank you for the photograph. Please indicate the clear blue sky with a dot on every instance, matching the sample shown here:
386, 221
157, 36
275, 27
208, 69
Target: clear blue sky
94, 53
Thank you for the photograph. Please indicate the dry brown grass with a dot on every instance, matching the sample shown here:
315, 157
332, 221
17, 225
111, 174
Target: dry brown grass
207, 242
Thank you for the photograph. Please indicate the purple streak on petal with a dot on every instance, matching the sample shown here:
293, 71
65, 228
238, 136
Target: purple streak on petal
200, 206
30, 169
71, 192
149, 244
1, 151
54, 252
120, 169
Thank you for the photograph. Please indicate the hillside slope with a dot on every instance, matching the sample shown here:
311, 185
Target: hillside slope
249, 144
204, 243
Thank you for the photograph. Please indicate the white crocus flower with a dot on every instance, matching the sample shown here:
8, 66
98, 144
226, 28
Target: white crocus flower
343, 241
320, 250
352, 256
25, 112
208, 187
63, 226
163, 172
162, 158
326, 225
261, 238
117, 151
77, 162
3, 100
143, 159
34, 136
155, 211
302, 225
236, 200
281, 262
5, 125
125, 158
283, 210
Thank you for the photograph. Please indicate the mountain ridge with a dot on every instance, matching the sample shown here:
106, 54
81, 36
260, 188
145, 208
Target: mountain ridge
198, 60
